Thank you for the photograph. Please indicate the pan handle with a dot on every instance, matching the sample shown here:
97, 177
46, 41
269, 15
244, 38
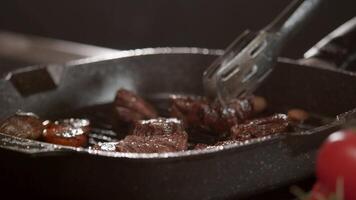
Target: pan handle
337, 50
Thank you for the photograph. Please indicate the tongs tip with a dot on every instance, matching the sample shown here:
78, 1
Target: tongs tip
250, 58
245, 61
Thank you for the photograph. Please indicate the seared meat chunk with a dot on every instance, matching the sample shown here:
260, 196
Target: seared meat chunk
129, 107
274, 124
155, 136
154, 143
152, 136
23, 125
199, 112
159, 126
277, 123
68, 132
147, 144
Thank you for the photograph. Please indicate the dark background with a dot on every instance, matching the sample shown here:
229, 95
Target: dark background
126, 24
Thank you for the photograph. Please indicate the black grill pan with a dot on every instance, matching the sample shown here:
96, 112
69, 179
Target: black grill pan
41, 170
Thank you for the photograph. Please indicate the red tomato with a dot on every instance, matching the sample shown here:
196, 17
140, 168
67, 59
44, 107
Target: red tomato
337, 160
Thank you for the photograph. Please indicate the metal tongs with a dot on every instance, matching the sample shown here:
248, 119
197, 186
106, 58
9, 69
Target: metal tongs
250, 58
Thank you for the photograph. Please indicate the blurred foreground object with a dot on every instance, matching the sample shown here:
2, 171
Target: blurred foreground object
17, 50
335, 169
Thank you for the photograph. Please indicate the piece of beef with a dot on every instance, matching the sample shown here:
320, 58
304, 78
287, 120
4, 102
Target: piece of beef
159, 126
152, 136
68, 132
199, 112
154, 143
129, 107
147, 144
277, 123
23, 125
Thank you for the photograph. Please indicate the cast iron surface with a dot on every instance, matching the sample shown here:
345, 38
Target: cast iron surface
45, 170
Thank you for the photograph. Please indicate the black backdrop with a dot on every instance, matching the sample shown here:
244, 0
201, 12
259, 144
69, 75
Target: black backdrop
125, 24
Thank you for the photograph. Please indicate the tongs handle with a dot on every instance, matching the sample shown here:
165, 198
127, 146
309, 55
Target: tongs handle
249, 59
292, 19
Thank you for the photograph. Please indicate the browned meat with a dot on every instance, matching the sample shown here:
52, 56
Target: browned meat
188, 109
277, 123
130, 107
199, 112
147, 144
68, 132
152, 136
23, 125
160, 126
153, 144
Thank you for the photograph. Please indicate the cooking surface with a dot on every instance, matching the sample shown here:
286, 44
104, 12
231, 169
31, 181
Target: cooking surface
100, 116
